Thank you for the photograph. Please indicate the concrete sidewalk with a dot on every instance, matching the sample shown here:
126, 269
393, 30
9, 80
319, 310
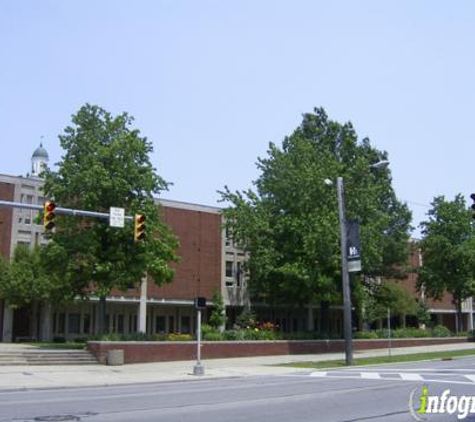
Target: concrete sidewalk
34, 377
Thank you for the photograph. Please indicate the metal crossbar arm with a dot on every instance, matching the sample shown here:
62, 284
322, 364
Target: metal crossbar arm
59, 210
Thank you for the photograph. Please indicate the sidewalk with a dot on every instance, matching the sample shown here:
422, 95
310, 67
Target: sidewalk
33, 377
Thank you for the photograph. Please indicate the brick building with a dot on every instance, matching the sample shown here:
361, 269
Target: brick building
209, 261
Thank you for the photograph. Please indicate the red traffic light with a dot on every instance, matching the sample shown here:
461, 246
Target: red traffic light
49, 215
50, 206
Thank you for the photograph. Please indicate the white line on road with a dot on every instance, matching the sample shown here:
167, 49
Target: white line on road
410, 377
371, 375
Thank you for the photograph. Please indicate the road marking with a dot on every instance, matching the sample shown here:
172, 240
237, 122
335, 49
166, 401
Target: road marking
371, 375
411, 377
395, 376
318, 374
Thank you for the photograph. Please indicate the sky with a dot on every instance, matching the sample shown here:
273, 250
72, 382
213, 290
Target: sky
211, 82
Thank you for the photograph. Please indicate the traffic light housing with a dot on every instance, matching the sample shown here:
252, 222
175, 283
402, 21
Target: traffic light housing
49, 215
139, 228
473, 205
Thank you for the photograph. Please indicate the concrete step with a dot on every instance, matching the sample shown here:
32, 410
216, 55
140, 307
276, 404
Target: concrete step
46, 357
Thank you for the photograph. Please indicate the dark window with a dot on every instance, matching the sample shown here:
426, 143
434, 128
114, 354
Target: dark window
120, 323
61, 323
160, 324
171, 324
86, 323
239, 274
74, 323
185, 324
229, 268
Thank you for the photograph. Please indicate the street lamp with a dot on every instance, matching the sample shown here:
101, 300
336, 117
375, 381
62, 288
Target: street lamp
345, 276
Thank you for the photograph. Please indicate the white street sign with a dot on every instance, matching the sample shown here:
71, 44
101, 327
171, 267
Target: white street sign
116, 217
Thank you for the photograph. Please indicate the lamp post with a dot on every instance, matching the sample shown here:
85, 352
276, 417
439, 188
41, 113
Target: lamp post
345, 276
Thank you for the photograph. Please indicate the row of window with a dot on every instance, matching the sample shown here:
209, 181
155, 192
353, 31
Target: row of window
116, 324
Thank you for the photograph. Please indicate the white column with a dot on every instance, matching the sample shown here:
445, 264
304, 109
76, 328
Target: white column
143, 306
7, 324
470, 314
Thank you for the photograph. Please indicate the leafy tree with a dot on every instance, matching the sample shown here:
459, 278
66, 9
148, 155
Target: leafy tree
448, 251
218, 318
378, 297
106, 163
26, 279
422, 313
289, 223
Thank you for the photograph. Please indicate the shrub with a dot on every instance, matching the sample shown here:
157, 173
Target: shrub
233, 335
410, 333
122, 337
365, 335
207, 330
440, 331
246, 319
179, 337
256, 334
214, 336
471, 335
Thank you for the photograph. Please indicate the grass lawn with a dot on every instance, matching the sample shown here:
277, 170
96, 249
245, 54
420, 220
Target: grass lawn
382, 359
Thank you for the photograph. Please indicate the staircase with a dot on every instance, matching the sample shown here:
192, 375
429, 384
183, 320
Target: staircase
30, 355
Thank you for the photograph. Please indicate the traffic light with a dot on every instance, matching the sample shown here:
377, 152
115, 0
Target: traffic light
139, 227
49, 216
473, 205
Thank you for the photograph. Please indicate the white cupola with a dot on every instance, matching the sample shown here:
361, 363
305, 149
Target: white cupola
39, 161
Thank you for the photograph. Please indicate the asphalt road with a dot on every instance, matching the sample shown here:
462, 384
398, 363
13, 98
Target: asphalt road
359, 394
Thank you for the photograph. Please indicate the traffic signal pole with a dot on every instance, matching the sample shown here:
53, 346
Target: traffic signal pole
59, 210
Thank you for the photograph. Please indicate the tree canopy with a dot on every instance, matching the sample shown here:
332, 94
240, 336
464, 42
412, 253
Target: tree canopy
106, 164
448, 251
26, 278
289, 222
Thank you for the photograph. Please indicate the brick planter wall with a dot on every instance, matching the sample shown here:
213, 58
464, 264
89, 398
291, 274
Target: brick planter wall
162, 351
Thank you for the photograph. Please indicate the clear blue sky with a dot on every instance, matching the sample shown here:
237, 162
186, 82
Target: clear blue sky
210, 83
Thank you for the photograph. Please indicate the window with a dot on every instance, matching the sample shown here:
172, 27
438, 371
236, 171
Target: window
239, 274
86, 323
120, 323
74, 323
171, 324
185, 324
61, 323
229, 269
228, 236
160, 324
133, 323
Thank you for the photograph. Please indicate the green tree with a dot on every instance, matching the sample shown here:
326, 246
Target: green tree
376, 298
218, 317
448, 251
26, 279
106, 164
289, 223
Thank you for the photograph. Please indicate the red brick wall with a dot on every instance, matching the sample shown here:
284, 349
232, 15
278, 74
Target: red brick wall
6, 216
410, 281
140, 352
199, 271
